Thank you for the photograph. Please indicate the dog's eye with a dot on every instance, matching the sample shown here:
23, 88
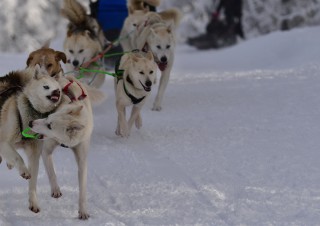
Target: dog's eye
159, 47
81, 50
49, 65
70, 50
49, 126
134, 25
141, 73
46, 87
168, 46
151, 72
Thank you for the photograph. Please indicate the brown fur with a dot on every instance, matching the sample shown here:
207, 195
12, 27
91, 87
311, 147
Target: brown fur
48, 58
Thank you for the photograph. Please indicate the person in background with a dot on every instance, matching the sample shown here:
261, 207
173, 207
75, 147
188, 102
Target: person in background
221, 33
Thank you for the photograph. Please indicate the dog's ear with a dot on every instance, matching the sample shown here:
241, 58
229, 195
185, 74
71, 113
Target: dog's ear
30, 58
58, 76
130, 10
74, 126
75, 110
60, 56
149, 56
170, 27
135, 58
37, 72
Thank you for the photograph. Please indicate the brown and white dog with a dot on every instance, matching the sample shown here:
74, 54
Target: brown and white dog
48, 58
84, 40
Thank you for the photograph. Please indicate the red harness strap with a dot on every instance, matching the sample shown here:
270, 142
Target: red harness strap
70, 95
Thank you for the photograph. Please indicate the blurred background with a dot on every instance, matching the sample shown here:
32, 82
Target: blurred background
27, 24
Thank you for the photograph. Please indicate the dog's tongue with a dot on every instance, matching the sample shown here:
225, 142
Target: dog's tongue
54, 98
162, 66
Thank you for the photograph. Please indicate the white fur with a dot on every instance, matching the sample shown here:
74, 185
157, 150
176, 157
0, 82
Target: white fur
141, 71
36, 93
154, 32
71, 125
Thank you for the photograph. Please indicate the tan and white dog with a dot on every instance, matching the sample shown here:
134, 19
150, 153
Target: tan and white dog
84, 41
70, 126
154, 32
39, 95
132, 87
48, 58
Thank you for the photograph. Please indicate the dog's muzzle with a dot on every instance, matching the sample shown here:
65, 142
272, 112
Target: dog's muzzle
147, 86
55, 96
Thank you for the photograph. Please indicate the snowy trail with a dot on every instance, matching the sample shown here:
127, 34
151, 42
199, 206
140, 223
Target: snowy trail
231, 147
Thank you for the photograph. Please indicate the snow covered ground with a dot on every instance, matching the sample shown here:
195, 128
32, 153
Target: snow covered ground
237, 143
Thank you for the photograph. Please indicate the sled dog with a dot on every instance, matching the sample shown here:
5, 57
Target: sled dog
154, 32
84, 40
47, 58
39, 94
70, 126
132, 88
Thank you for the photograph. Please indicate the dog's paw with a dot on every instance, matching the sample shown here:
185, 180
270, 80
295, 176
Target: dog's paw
9, 166
138, 122
25, 173
34, 208
156, 108
83, 215
56, 193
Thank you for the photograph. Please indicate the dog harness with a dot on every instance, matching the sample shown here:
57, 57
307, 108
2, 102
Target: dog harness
119, 76
66, 91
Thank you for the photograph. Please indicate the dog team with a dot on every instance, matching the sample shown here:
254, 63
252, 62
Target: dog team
57, 106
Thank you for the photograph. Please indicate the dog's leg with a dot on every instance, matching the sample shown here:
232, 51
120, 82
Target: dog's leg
80, 152
135, 117
122, 127
13, 158
48, 148
162, 87
33, 152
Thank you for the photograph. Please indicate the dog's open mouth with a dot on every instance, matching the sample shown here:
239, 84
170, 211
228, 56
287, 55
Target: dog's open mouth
162, 65
146, 88
55, 96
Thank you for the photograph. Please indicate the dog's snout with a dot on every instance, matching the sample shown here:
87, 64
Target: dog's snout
56, 92
163, 59
148, 83
31, 124
75, 63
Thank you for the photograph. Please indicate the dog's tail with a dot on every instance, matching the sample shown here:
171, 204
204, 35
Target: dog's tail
138, 4
96, 96
11, 84
74, 12
173, 14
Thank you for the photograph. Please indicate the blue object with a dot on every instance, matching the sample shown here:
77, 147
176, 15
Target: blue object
111, 14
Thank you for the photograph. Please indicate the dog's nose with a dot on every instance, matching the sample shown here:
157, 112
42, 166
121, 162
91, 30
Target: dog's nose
148, 83
75, 63
163, 59
30, 124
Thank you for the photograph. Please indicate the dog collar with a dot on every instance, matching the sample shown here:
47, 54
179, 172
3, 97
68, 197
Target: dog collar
133, 99
64, 146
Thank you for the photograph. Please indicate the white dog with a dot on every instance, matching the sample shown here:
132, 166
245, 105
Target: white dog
133, 88
84, 41
154, 32
70, 126
40, 95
